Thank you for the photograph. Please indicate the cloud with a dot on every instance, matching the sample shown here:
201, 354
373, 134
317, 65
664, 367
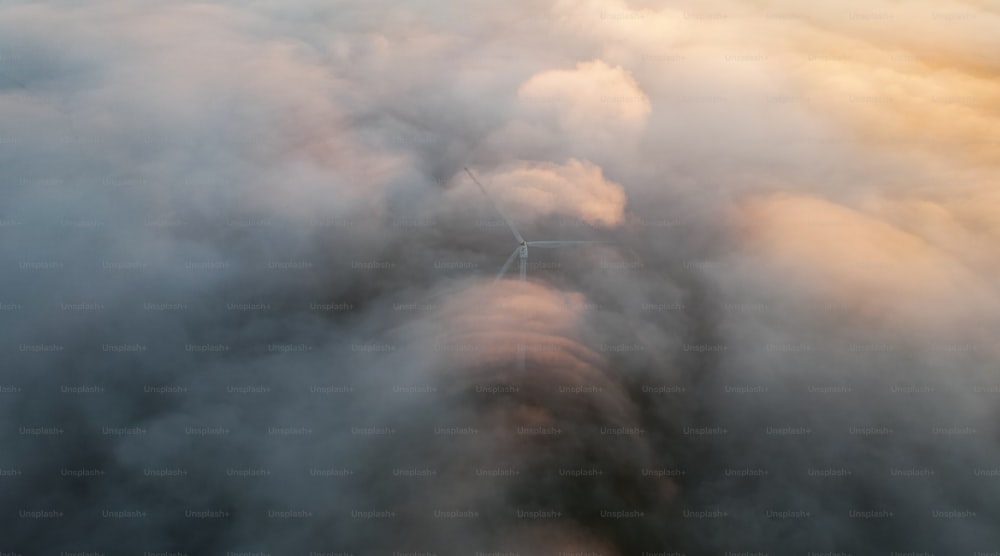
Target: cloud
593, 97
246, 274
850, 259
576, 189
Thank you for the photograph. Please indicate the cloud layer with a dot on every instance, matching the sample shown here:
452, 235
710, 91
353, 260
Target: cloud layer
248, 300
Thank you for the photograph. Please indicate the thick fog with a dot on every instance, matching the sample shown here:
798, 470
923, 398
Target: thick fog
249, 305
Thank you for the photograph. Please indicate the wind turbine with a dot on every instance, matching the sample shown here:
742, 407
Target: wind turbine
521, 251
522, 245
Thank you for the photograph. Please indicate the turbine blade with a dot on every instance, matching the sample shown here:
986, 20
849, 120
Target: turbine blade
510, 224
506, 265
554, 244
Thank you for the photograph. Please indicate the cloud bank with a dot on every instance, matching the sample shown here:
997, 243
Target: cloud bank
248, 300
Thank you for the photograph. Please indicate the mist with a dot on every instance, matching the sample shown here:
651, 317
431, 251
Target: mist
251, 302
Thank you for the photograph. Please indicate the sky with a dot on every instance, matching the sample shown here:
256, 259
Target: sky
250, 301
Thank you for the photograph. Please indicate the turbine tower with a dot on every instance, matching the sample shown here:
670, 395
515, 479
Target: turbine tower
521, 251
